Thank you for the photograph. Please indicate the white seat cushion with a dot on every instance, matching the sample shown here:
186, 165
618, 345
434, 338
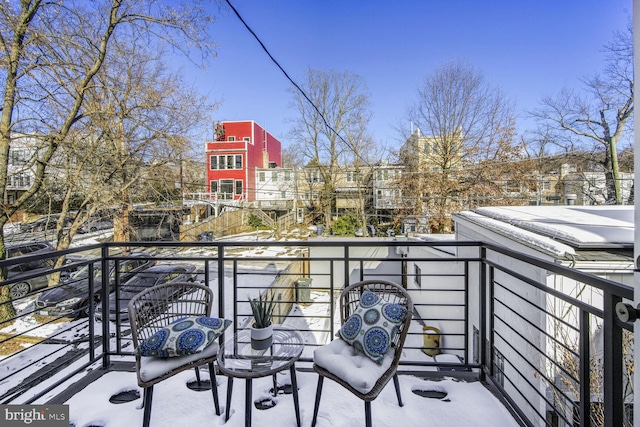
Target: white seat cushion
154, 367
342, 360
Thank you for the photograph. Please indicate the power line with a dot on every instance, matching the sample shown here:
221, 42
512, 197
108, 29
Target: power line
326, 123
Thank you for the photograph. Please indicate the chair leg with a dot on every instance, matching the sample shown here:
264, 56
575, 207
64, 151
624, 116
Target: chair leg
148, 396
197, 374
214, 386
367, 413
396, 383
318, 396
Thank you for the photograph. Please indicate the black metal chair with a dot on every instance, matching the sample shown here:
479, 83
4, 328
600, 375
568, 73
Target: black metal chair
333, 360
154, 309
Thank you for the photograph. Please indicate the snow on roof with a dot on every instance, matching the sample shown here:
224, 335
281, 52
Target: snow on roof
561, 229
529, 238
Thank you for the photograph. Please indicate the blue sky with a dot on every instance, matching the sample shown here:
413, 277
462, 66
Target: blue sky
528, 48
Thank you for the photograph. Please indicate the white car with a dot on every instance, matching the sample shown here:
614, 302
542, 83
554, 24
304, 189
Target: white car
95, 224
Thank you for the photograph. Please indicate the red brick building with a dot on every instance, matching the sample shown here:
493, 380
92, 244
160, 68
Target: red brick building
232, 158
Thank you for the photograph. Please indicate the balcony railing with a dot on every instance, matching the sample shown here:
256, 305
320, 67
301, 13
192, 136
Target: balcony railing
544, 335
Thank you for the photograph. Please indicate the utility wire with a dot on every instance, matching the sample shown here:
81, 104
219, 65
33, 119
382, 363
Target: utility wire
326, 123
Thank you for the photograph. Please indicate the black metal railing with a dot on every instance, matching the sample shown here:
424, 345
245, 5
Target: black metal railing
545, 335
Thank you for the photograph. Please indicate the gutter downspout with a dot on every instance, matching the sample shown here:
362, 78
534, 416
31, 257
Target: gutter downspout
636, 195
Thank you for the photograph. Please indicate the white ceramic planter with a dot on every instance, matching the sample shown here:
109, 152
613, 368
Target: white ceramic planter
261, 338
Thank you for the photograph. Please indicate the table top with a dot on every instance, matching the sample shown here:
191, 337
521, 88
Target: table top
236, 358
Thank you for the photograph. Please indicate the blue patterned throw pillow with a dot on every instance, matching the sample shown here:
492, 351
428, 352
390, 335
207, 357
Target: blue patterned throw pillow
184, 336
373, 325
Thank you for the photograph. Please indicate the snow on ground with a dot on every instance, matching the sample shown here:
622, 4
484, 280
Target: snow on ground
466, 404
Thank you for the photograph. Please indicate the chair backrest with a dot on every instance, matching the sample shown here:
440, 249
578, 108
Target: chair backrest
390, 292
161, 305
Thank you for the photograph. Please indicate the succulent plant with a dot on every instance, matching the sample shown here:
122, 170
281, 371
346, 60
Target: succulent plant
262, 308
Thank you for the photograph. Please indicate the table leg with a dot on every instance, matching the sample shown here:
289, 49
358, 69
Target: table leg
275, 386
294, 389
229, 391
247, 403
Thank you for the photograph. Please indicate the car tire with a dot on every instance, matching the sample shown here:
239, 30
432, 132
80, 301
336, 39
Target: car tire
84, 309
19, 290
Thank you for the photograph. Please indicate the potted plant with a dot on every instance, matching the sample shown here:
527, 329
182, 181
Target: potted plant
262, 326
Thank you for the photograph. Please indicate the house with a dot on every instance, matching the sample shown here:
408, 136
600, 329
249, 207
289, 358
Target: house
275, 189
20, 173
593, 239
238, 150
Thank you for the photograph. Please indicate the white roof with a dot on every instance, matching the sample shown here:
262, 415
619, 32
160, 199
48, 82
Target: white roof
580, 227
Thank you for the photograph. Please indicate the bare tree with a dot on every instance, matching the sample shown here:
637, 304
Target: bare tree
462, 122
331, 132
139, 118
51, 53
596, 119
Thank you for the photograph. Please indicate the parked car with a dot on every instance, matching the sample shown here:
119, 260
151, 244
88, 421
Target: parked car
71, 298
206, 236
157, 275
371, 231
24, 286
43, 224
96, 224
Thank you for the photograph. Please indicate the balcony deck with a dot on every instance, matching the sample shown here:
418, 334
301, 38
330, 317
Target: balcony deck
494, 308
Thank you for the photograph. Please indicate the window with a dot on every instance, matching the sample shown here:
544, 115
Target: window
246, 139
314, 176
17, 157
261, 177
511, 186
226, 162
213, 186
354, 177
238, 187
226, 188
274, 176
231, 138
21, 179
418, 276
287, 175
546, 185
455, 147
